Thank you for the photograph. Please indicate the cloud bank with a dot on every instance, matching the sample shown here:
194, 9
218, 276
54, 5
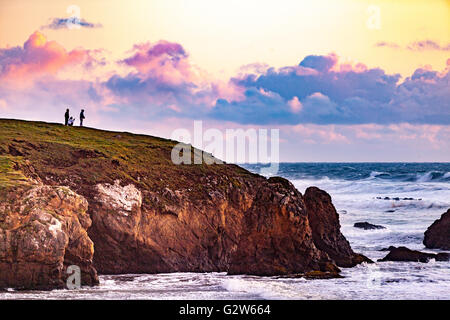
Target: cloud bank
160, 81
326, 92
164, 82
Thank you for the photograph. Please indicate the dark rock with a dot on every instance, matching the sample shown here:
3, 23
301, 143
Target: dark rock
277, 237
443, 256
14, 151
367, 226
437, 235
387, 249
312, 275
405, 254
324, 222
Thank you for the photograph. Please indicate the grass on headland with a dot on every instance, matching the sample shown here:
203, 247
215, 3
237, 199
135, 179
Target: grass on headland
80, 156
8, 175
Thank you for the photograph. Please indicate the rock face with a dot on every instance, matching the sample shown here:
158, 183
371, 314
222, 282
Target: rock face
262, 228
324, 222
437, 235
148, 215
277, 237
171, 232
367, 226
405, 254
42, 232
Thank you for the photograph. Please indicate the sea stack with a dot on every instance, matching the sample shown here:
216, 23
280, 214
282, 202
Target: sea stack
437, 235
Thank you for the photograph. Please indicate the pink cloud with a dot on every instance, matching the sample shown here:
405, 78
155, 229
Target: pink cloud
295, 105
433, 135
319, 134
164, 76
402, 135
38, 57
166, 61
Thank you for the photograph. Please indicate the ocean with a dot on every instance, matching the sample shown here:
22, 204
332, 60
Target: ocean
405, 198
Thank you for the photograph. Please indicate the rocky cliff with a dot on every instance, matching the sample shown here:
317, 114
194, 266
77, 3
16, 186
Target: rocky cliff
42, 232
143, 214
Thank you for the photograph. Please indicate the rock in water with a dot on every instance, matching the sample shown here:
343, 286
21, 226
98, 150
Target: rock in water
437, 235
277, 238
367, 226
325, 226
405, 254
42, 232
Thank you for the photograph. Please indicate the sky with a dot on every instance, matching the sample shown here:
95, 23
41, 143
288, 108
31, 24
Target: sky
342, 80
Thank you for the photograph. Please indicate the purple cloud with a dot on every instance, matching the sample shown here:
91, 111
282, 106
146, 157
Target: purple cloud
339, 94
163, 82
145, 54
160, 82
427, 45
65, 23
319, 63
422, 45
392, 45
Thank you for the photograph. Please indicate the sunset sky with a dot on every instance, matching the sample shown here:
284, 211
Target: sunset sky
342, 80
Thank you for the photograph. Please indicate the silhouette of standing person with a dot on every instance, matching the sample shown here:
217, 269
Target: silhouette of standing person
82, 117
66, 117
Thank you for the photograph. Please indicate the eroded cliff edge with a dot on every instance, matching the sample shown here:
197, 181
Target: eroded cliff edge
42, 232
146, 215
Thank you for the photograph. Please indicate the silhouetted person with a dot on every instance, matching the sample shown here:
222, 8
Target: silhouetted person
82, 117
71, 121
66, 117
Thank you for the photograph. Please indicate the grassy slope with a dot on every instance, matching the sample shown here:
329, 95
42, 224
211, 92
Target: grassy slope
83, 156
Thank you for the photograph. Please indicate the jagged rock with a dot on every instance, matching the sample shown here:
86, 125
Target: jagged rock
437, 235
367, 226
387, 249
42, 232
277, 238
405, 254
324, 222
